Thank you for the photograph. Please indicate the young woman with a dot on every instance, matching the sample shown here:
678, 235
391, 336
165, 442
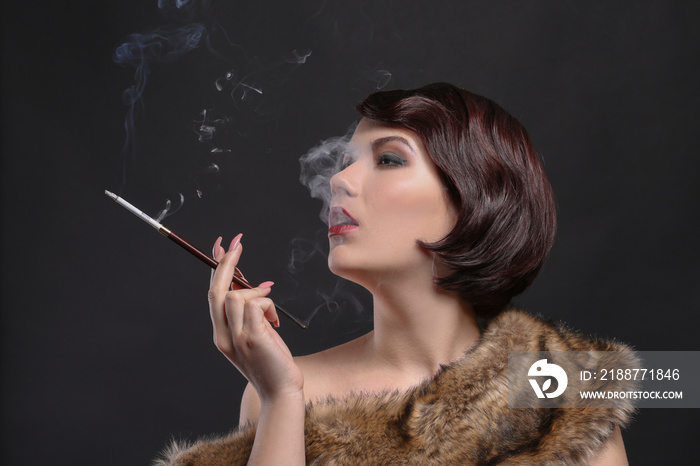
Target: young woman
442, 210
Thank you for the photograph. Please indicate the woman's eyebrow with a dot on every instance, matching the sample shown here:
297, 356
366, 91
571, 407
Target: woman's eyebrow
385, 140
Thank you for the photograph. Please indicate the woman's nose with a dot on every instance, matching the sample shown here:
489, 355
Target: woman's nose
346, 182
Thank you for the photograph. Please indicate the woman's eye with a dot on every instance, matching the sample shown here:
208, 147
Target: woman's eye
389, 160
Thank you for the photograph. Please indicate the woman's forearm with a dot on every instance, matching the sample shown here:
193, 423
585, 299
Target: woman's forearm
279, 438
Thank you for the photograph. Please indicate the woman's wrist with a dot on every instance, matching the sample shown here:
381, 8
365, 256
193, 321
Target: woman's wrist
285, 397
279, 438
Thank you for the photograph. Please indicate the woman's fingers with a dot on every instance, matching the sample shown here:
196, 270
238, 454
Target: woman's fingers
217, 251
240, 316
242, 332
238, 304
258, 312
219, 286
239, 275
223, 274
227, 311
271, 313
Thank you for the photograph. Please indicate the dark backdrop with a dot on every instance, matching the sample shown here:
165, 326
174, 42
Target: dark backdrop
106, 340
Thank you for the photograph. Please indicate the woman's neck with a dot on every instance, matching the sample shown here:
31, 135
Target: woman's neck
418, 327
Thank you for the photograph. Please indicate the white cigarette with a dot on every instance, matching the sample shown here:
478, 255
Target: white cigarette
134, 210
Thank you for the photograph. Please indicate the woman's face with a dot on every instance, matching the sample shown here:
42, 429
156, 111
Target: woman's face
387, 195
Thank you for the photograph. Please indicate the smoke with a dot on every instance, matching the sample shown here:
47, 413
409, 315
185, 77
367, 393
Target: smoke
249, 91
297, 58
141, 51
327, 293
319, 164
253, 89
380, 78
337, 301
163, 45
302, 252
207, 130
166, 211
251, 85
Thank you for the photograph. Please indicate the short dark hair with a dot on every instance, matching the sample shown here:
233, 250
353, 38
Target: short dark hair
506, 210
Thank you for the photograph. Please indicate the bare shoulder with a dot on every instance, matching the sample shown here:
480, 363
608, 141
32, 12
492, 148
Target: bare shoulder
325, 371
250, 406
613, 453
327, 358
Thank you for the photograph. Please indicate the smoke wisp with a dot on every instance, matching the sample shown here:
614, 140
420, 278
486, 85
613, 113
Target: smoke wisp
319, 164
246, 94
141, 51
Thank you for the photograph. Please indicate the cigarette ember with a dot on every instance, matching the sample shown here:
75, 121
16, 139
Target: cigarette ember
238, 278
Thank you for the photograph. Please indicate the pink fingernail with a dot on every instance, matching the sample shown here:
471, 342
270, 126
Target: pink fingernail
266, 285
215, 249
235, 242
277, 323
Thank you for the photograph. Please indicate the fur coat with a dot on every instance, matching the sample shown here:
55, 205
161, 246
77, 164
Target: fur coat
461, 416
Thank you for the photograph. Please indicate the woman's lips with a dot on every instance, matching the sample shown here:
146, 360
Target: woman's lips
340, 230
340, 221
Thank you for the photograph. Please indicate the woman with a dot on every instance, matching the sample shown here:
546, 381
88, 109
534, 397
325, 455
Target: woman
442, 210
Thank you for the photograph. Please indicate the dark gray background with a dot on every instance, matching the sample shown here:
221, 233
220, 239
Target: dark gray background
106, 340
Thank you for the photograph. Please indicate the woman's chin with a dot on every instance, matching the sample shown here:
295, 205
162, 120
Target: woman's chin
344, 268
338, 267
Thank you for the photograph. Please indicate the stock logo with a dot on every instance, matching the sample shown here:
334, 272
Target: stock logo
542, 368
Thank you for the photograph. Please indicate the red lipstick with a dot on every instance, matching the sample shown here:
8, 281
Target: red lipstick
340, 222
340, 229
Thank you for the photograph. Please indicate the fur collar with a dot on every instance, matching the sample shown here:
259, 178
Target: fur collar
461, 416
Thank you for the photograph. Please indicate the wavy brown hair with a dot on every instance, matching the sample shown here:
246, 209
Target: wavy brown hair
507, 214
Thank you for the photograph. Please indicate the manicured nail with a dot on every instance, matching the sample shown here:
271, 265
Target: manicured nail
235, 242
237, 273
266, 285
215, 249
277, 323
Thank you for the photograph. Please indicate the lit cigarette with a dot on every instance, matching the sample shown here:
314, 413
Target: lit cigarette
238, 278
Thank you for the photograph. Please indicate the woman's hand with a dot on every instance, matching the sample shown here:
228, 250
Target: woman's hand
243, 333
